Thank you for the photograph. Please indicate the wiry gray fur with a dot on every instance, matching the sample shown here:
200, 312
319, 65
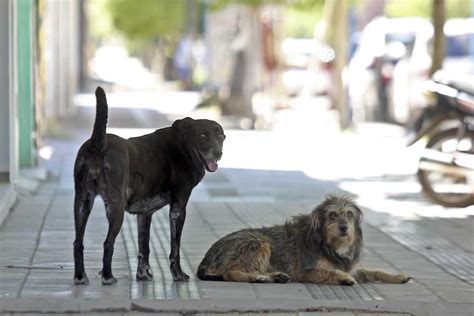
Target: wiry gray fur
295, 246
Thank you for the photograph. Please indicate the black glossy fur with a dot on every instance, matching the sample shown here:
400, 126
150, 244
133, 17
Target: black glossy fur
141, 175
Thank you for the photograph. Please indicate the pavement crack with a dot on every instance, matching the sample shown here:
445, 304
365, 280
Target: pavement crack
33, 267
38, 237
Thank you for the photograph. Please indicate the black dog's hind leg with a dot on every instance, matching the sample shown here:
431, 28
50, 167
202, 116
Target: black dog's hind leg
143, 269
115, 214
83, 202
177, 218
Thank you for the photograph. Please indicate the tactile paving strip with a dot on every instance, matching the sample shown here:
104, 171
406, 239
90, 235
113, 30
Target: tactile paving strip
162, 287
259, 215
439, 251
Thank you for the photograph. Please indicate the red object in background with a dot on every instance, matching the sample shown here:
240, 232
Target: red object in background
269, 56
387, 73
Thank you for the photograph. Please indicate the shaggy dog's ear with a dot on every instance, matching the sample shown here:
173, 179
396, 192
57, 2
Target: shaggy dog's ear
358, 217
315, 232
359, 211
358, 221
183, 125
359, 238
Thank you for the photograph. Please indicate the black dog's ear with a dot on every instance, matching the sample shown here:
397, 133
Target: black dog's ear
183, 125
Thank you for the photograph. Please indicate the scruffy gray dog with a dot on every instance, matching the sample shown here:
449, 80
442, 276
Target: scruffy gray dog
321, 247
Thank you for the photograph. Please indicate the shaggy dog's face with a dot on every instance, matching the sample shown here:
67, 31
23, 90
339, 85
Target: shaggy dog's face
340, 227
338, 221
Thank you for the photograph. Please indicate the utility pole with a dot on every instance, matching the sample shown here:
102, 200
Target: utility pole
83, 44
438, 17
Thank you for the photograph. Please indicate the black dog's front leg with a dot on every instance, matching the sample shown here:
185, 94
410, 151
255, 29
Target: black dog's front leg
177, 217
143, 270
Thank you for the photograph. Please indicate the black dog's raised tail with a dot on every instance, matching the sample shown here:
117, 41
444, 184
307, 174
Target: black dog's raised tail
203, 275
98, 140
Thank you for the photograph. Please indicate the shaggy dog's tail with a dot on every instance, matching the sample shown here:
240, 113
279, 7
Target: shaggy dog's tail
203, 275
98, 140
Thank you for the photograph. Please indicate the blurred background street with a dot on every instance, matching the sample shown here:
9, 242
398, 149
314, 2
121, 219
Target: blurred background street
315, 96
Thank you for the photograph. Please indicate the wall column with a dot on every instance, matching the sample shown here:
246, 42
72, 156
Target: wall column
4, 91
25, 44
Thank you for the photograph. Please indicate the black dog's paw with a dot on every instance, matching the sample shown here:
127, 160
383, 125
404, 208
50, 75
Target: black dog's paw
108, 281
144, 274
180, 276
81, 280
281, 277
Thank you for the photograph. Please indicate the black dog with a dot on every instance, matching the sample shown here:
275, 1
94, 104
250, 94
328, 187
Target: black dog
141, 175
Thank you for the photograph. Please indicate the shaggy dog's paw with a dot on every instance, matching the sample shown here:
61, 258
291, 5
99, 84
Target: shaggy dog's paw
403, 278
262, 279
347, 280
280, 277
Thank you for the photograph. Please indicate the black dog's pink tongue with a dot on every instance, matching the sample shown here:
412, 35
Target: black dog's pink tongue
211, 165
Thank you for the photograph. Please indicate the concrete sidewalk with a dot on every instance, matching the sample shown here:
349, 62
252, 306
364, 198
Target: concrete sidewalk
36, 263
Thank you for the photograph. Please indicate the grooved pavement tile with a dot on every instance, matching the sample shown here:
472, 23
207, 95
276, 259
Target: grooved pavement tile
282, 291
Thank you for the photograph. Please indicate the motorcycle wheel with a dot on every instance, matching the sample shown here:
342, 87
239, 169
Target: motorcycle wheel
430, 181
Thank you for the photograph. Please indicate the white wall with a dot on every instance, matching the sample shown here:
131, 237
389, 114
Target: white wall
61, 53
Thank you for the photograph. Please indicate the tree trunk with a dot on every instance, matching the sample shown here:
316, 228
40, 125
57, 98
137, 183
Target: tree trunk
245, 77
438, 17
336, 14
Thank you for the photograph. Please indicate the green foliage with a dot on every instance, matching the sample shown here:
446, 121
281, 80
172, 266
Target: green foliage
141, 21
301, 23
403, 8
458, 8
298, 4
299, 16
100, 21
423, 8
148, 19
138, 21
307, 5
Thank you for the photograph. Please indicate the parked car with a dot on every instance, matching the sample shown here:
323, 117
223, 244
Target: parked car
307, 66
411, 73
382, 44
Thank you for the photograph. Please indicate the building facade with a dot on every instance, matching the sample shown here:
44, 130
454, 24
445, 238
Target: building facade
39, 58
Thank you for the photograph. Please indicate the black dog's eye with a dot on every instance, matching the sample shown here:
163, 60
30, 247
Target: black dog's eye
221, 136
332, 215
204, 136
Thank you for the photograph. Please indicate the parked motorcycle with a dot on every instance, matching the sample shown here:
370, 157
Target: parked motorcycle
446, 167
